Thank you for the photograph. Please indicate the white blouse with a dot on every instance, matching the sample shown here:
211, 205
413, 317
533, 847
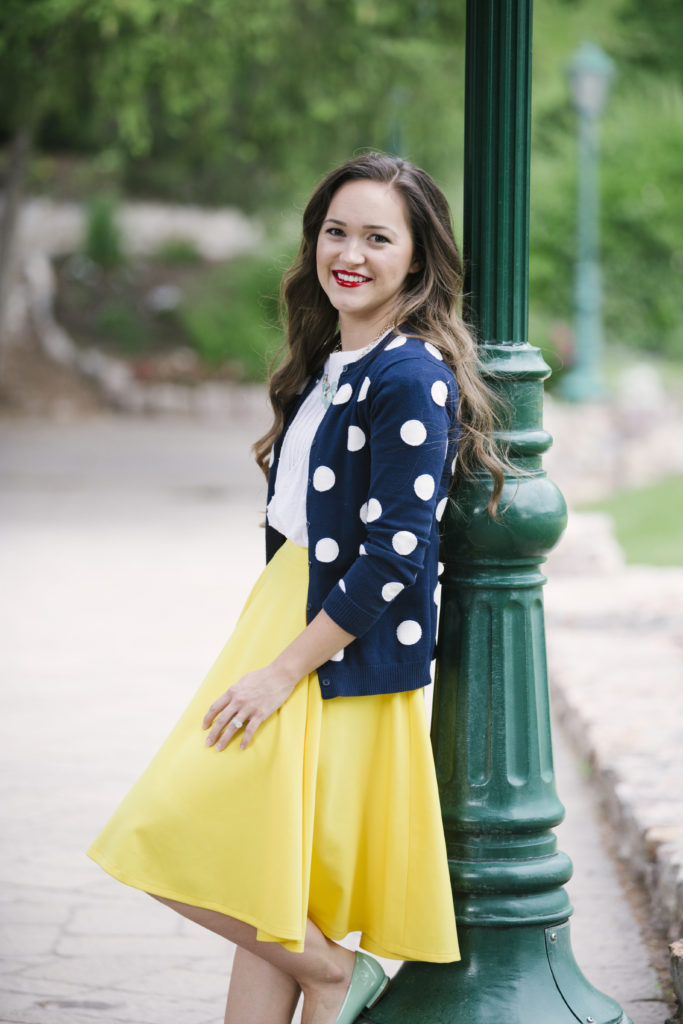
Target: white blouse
287, 508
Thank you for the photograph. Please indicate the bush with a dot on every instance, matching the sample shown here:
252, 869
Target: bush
180, 252
119, 323
231, 314
103, 242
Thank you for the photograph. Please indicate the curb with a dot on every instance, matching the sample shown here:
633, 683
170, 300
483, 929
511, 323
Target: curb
614, 651
676, 954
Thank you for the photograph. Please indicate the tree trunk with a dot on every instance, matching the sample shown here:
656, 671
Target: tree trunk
20, 151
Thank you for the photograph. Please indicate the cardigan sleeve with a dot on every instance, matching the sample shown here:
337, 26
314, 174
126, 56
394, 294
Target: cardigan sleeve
412, 431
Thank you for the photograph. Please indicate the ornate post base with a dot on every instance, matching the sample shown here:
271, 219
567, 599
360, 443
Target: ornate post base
518, 975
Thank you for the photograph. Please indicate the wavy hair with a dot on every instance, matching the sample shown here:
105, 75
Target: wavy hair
428, 307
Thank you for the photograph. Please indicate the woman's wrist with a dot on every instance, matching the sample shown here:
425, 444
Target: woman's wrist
288, 668
312, 648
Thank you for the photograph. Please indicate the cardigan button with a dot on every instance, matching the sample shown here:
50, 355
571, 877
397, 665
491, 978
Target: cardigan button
325, 682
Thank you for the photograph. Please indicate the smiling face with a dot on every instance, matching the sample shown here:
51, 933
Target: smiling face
364, 254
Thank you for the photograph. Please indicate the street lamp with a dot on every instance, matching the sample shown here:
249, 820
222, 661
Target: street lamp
491, 721
590, 72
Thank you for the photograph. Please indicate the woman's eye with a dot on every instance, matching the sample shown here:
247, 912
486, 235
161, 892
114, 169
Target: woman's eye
335, 232
379, 238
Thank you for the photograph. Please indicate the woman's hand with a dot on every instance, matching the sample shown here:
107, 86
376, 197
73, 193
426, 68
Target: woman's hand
254, 697
247, 704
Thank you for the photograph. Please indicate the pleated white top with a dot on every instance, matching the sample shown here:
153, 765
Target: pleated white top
287, 508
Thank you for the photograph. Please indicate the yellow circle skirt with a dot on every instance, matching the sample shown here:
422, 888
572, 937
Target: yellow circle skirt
331, 813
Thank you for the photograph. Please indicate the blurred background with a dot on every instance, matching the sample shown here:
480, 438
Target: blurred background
155, 158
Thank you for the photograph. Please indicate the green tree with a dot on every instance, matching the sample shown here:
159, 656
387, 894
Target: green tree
101, 67
238, 101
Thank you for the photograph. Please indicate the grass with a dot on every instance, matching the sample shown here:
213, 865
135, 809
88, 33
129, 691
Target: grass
649, 521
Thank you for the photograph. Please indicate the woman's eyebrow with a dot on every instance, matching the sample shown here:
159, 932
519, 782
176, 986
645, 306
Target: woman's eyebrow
366, 227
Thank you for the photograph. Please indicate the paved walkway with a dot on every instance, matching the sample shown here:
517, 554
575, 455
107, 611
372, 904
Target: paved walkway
127, 548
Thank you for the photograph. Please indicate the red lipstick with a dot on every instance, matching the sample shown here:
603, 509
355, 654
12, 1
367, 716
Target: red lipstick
347, 279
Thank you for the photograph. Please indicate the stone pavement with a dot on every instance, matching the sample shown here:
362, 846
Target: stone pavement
127, 547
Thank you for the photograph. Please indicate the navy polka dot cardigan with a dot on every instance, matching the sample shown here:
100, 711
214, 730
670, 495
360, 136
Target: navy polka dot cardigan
379, 471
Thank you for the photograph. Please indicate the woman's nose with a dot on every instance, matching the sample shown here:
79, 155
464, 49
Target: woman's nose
353, 253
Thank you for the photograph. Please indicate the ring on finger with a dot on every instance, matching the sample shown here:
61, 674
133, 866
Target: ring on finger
237, 723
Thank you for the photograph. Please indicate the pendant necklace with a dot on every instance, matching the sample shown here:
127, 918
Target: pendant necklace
329, 387
329, 390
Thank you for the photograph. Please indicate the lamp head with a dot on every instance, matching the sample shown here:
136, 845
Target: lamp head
590, 73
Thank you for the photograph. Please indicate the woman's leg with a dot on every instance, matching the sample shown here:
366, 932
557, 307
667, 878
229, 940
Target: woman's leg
323, 971
256, 989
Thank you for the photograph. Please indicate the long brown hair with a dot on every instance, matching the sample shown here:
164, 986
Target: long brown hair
428, 307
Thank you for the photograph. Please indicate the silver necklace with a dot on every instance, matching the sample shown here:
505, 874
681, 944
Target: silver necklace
329, 387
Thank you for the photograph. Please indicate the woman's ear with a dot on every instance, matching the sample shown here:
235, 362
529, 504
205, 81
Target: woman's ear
414, 267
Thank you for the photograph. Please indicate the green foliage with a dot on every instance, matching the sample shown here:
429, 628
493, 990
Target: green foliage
118, 322
233, 101
205, 100
642, 203
178, 251
643, 247
648, 522
651, 36
103, 243
231, 314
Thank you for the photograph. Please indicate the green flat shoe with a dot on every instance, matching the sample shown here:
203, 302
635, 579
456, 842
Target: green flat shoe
367, 985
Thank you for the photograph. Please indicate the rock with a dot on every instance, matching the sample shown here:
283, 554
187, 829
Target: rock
164, 298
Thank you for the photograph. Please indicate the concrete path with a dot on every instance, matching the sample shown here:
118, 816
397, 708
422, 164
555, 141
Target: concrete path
127, 548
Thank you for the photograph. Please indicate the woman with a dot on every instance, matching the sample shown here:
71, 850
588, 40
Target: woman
311, 810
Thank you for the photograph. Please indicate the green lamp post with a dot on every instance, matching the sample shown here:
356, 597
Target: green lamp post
491, 727
590, 72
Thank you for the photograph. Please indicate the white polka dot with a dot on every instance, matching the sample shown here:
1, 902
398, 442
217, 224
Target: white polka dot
323, 478
409, 632
364, 512
413, 432
363, 389
440, 392
361, 550
326, 550
343, 394
404, 542
424, 486
440, 568
396, 343
454, 463
441, 508
339, 656
433, 351
342, 586
356, 439
437, 588
391, 590
374, 510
